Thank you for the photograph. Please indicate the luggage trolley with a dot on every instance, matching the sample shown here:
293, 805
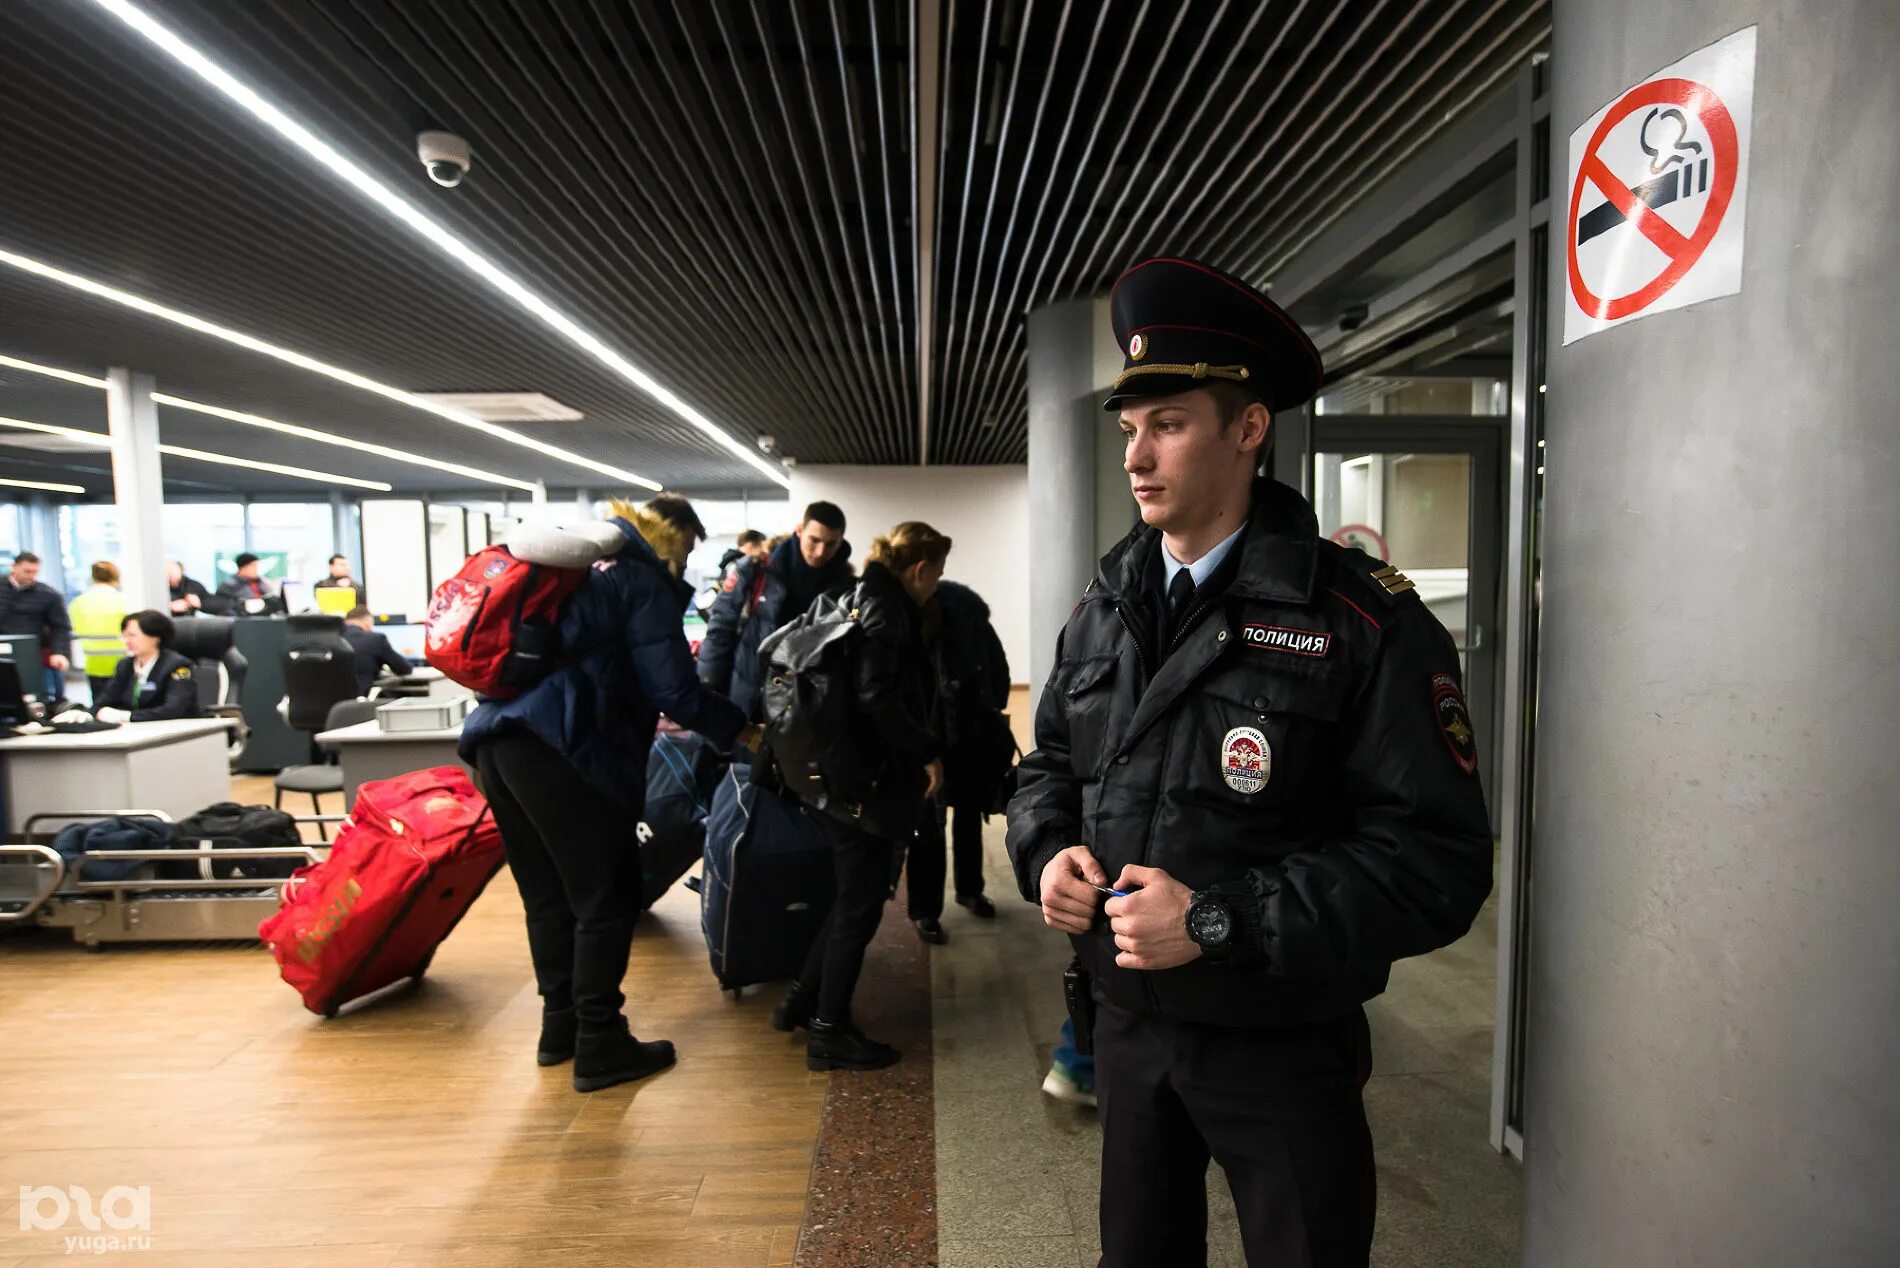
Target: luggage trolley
40, 887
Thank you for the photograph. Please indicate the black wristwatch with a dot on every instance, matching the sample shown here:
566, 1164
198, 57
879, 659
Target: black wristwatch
1212, 924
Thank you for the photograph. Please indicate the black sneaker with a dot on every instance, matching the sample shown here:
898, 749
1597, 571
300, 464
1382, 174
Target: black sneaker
978, 905
931, 931
603, 1058
794, 1011
558, 1031
842, 1046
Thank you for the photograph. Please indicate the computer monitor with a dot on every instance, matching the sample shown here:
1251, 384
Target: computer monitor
410, 641
13, 708
293, 592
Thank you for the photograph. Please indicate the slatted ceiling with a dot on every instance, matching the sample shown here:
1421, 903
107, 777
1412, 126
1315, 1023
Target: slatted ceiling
723, 190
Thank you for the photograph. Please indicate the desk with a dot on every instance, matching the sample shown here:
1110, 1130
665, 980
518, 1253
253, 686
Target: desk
179, 767
367, 752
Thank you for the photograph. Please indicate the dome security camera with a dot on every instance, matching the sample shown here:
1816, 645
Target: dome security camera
767, 443
444, 156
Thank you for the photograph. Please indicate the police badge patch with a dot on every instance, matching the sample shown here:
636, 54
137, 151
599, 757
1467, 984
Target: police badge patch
1246, 763
1137, 347
1454, 722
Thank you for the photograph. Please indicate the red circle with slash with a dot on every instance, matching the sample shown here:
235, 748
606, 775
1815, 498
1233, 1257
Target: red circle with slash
1683, 251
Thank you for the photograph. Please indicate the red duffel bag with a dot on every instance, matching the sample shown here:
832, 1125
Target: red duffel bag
413, 856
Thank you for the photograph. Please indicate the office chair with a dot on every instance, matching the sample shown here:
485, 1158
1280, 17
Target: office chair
319, 674
210, 643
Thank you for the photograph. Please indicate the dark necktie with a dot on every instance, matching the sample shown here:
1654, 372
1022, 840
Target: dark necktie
1180, 595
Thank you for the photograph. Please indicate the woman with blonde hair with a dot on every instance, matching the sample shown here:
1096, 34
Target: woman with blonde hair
896, 698
96, 616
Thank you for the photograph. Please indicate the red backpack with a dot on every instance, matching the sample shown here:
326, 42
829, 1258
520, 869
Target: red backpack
494, 627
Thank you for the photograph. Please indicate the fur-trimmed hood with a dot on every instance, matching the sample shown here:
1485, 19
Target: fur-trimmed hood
665, 538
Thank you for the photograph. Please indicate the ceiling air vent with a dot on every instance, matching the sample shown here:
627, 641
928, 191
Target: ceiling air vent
506, 407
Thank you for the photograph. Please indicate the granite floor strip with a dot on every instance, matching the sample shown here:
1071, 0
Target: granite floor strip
873, 1197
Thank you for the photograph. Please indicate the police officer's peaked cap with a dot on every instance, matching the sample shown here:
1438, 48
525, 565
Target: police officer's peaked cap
1183, 325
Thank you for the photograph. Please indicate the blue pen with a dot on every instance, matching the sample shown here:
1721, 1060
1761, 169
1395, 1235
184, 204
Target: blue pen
1112, 893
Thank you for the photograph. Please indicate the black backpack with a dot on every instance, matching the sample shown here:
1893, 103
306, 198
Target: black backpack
227, 825
818, 739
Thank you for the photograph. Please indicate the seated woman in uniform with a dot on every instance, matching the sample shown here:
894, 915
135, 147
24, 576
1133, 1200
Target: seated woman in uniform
153, 682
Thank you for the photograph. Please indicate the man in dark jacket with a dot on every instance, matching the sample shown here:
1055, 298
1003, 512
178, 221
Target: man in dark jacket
1258, 738
973, 692
372, 650
758, 596
30, 606
187, 596
247, 592
564, 768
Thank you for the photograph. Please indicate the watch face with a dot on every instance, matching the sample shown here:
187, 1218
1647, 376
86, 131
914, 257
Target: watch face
1209, 924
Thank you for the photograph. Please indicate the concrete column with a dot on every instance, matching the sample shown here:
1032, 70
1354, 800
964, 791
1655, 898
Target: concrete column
137, 487
1065, 415
343, 531
1714, 979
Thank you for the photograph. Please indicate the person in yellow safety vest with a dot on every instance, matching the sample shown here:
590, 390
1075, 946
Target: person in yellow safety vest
96, 616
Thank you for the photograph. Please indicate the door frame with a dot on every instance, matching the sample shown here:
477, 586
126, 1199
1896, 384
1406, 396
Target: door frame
1482, 438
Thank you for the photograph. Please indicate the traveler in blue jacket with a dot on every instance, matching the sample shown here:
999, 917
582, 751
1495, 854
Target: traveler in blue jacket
757, 596
564, 768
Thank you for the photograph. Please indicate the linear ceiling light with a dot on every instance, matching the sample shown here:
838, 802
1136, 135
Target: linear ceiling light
288, 429
430, 230
39, 268
45, 485
102, 441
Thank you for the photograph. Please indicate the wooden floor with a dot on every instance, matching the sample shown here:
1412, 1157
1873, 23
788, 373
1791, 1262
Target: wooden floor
416, 1132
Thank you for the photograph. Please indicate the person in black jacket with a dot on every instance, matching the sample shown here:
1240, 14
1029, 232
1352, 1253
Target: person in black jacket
1259, 740
759, 595
30, 606
973, 686
153, 682
372, 650
896, 697
188, 596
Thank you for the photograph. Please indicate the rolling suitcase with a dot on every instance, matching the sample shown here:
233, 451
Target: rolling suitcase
768, 883
413, 856
682, 771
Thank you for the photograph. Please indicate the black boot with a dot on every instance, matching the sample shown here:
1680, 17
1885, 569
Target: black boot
794, 1012
558, 1029
603, 1058
842, 1046
930, 929
978, 905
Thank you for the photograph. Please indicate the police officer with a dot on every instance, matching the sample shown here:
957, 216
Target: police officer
1260, 739
153, 682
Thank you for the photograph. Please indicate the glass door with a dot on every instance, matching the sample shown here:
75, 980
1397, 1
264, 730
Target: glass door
1421, 493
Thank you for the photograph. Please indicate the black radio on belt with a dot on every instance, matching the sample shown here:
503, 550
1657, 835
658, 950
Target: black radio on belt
1076, 989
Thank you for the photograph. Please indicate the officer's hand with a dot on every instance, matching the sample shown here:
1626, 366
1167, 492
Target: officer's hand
933, 771
1151, 923
112, 715
1068, 894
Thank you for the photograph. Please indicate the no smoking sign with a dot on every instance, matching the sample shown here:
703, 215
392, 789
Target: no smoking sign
1658, 186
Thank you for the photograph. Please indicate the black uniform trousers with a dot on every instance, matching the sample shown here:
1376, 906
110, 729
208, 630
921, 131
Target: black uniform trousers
924, 881
576, 859
832, 966
1279, 1109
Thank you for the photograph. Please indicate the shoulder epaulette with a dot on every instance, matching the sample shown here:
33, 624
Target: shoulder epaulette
1373, 578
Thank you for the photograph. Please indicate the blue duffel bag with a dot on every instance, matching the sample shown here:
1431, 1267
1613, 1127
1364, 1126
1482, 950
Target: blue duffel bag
115, 833
768, 884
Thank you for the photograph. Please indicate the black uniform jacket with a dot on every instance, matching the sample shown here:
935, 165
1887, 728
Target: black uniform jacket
169, 691
1303, 746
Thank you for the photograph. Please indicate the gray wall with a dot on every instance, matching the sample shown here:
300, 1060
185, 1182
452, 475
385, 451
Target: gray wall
1714, 996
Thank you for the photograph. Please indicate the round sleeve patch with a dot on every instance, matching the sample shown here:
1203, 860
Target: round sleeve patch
1454, 722
183, 671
